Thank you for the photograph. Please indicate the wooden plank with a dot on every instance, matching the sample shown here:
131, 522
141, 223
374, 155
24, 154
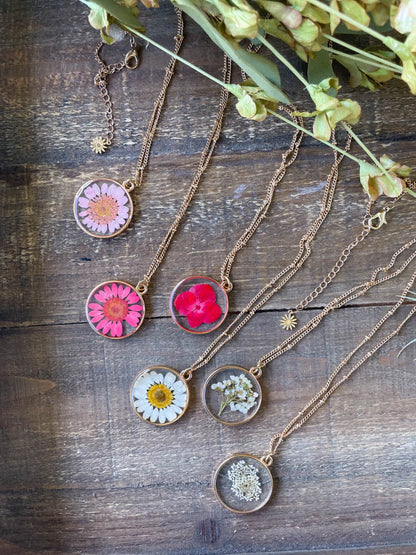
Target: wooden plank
82, 473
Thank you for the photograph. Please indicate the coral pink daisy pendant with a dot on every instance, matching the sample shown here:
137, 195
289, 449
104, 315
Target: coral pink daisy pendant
115, 309
199, 304
103, 208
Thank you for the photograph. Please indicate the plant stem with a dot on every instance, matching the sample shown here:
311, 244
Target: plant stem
348, 19
176, 56
281, 58
279, 116
358, 59
362, 52
367, 151
307, 132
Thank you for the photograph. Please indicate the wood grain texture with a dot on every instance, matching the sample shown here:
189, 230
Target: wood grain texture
80, 472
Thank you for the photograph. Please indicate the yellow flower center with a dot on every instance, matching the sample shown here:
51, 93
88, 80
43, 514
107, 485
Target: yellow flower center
159, 396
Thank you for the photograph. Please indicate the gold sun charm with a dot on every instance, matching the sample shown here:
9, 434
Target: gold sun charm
289, 322
99, 145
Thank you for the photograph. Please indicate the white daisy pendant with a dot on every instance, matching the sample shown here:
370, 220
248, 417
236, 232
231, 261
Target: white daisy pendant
103, 208
243, 483
159, 395
232, 395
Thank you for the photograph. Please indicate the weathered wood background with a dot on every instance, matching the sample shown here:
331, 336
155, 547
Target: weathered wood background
80, 473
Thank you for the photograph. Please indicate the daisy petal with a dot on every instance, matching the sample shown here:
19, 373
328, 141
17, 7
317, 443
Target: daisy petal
132, 320
133, 298
170, 413
162, 416
103, 323
169, 379
125, 292
135, 307
83, 202
154, 416
107, 327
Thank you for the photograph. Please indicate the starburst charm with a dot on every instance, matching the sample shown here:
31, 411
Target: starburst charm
99, 145
289, 322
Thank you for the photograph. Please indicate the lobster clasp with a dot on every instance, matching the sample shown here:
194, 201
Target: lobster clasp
378, 219
132, 59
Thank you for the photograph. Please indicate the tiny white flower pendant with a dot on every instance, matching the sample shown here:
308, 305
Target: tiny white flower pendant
103, 208
243, 483
159, 395
232, 395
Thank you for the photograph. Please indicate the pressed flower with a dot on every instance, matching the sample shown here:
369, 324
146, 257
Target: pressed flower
104, 208
113, 304
159, 396
237, 393
245, 481
199, 305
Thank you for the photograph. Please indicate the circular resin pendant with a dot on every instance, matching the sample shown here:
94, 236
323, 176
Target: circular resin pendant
115, 309
198, 304
232, 395
103, 208
243, 483
159, 395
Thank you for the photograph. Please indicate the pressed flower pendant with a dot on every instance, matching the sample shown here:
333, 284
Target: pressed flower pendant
115, 309
103, 208
198, 304
243, 483
232, 395
159, 395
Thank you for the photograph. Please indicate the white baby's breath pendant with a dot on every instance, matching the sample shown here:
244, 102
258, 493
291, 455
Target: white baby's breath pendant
243, 483
159, 395
232, 395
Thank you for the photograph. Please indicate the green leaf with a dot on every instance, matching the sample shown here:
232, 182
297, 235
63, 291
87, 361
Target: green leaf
307, 33
288, 16
120, 13
353, 9
321, 127
264, 72
320, 68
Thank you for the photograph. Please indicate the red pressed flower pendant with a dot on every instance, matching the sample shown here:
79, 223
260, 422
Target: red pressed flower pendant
103, 208
199, 304
115, 309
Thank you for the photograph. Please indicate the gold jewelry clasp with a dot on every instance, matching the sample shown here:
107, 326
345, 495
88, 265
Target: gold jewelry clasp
378, 220
132, 59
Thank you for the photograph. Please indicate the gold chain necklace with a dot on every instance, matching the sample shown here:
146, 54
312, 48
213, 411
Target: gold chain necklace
243, 482
115, 309
199, 304
103, 207
231, 394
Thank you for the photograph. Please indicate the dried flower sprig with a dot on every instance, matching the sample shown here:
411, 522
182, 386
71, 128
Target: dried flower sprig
237, 393
245, 482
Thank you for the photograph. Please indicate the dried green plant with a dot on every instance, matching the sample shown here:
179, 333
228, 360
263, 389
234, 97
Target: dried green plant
311, 28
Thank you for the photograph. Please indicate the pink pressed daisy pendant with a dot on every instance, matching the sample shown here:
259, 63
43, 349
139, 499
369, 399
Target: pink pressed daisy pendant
199, 304
115, 309
103, 208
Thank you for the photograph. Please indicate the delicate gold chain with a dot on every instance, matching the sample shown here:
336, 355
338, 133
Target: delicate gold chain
338, 302
203, 163
370, 222
330, 387
281, 278
101, 81
131, 61
288, 157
